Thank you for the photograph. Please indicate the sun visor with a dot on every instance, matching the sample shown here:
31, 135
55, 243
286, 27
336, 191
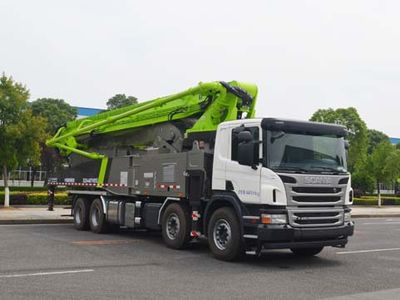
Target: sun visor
301, 127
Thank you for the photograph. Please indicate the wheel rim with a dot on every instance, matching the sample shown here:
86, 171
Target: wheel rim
95, 216
222, 234
77, 214
173, 226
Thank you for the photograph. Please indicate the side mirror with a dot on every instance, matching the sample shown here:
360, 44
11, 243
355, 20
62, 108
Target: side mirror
245, 137
346, 144
246, 149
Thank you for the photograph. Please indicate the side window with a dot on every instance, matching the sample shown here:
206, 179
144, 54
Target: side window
234, 144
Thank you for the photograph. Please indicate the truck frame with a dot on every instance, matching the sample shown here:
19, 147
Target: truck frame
198, 164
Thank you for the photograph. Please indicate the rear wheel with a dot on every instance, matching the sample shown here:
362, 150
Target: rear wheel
97, 218
307, 251
81, 214
176, 226
224, 235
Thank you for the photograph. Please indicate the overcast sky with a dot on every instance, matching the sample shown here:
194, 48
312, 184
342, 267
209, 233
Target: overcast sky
303, 55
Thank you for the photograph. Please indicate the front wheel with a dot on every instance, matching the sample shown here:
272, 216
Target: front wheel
307, 251
224, 237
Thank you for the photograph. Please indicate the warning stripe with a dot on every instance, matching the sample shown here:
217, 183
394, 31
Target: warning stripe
160, 185
195, 215
87, 184
195, 234
166, 186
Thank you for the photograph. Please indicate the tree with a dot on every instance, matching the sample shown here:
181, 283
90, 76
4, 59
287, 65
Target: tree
20, 132
362, 182
375, 137
57, 113
358, 133
398, 146
384, 165
120, 100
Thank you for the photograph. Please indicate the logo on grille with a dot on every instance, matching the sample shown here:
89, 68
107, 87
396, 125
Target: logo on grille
317, 180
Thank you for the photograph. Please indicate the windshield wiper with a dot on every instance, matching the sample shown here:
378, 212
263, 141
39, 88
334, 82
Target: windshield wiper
291, 168
331, 169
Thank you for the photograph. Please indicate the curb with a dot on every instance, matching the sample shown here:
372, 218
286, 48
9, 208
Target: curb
36, 221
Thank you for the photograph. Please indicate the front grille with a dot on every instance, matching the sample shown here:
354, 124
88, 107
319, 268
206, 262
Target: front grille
312, 218
302, 195
311, 190
319, 190
316, 214
314, 199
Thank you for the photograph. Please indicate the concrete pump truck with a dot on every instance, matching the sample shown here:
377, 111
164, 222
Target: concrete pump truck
197, 164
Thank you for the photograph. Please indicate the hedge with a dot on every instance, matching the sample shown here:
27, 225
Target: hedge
31, 189
34, 198
375, 197
374, 201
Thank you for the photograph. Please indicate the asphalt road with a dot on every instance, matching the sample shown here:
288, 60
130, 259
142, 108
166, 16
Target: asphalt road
56, 262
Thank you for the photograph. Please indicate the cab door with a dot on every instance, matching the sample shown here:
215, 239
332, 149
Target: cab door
243, 178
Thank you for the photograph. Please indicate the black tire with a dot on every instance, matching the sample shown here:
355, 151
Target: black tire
97, 218
307, 251
81, 214
176, 226
224, 235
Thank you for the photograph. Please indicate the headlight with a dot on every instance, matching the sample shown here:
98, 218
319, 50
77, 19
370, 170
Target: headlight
347, 217
273, 219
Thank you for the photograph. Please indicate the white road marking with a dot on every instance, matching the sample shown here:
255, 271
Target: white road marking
382, 294
46, 273
367, 251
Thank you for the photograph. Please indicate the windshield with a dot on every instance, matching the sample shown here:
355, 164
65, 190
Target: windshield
304, 153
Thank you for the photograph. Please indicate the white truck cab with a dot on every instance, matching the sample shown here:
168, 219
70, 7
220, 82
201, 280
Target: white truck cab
291, 180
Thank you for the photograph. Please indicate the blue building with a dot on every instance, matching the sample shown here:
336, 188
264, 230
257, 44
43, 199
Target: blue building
87, 111
395, 141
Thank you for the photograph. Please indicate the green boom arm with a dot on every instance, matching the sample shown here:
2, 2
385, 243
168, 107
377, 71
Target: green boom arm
212, 103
